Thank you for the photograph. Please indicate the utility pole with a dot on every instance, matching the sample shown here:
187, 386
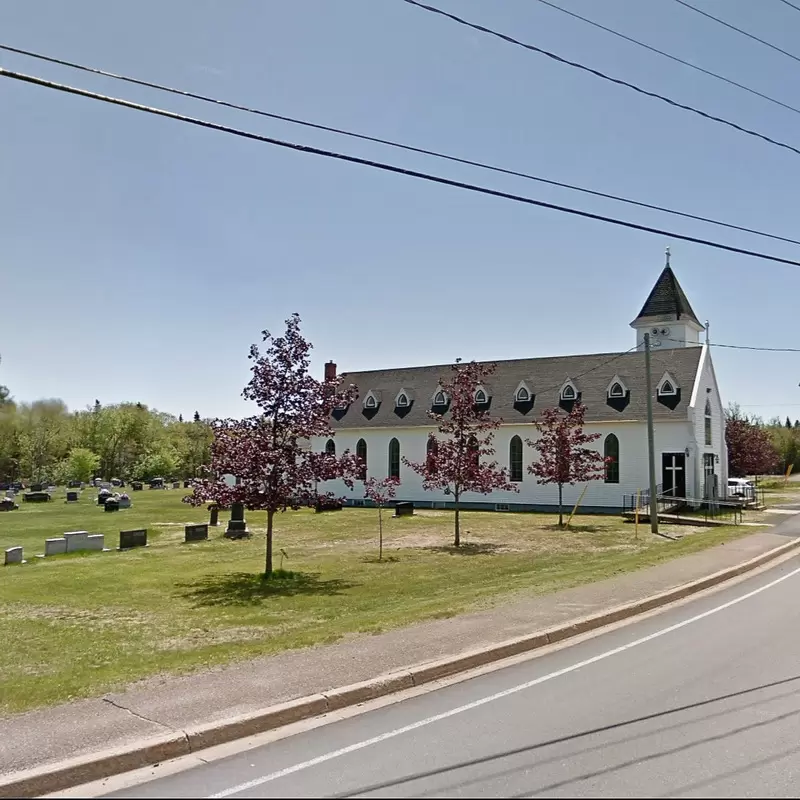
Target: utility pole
651, 449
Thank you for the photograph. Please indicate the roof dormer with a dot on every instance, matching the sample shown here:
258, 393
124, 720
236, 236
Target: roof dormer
439, 399
667, 386
482, 395
568, 392
372, 399
404, 398
616, 388
523, 393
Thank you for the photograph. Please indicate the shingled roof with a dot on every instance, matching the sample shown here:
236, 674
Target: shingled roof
667, 300
590, 374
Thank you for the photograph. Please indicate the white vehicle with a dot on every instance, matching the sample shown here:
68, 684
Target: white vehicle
739, 487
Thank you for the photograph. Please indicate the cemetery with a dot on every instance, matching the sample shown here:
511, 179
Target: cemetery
105, 599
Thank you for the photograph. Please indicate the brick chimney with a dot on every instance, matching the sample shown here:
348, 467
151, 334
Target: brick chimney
330, 371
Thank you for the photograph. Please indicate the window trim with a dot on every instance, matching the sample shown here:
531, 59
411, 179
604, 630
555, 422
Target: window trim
518, 396
370, 401
616, 385
365, 457
612, 470
481, 392
443, 394
569, 385
516, 441
708, 422
394, 458
667, 380
404, 398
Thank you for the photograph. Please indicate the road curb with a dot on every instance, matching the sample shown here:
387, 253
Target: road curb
74, 772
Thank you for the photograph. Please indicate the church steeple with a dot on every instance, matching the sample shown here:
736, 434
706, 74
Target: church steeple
667, 314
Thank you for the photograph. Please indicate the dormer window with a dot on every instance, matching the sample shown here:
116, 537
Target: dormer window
371, 401
667, 387
481, 397
440, 398
568, 392
402, 400
616, 390
523, 395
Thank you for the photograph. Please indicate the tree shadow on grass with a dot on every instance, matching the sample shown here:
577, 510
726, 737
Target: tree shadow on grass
376, 560
250, 589
467, 549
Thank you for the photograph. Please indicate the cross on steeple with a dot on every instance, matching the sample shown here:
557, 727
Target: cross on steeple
666, 252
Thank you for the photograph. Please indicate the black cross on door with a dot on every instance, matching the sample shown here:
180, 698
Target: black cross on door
673, 474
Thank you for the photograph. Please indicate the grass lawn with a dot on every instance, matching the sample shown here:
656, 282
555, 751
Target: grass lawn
81, 624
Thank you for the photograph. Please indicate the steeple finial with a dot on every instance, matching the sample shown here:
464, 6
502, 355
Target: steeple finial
666, 252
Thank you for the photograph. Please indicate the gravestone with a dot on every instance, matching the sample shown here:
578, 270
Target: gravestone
124, 502
187, 484
55, 547
72, 497
7, 504
103, 497
14, 556
95, 541
36, 497
4, 487
74, 485
116, 482
214, 521
129, 539
195, 533
404, 509
112, 504
176, 485
76, 540
37, 487
157, 483
237, 525
137, 486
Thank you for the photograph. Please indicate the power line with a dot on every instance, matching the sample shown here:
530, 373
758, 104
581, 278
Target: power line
597, 73
388, 167
791, 5
741, 346
739, 30
390, 143
675, 58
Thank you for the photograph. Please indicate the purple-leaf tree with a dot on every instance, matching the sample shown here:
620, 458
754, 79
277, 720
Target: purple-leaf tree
270, 453
380, 491
563, 457
456, 459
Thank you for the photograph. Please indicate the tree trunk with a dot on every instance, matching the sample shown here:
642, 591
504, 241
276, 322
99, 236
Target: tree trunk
457, 540
560, 509
380, 533
268, 569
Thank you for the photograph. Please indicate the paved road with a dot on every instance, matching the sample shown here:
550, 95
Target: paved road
700, 701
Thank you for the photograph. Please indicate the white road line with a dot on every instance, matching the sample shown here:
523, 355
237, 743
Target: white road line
273, 776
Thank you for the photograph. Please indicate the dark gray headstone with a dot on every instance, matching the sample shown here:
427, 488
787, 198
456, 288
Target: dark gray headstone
187, 484
137, 486
128, 539
7, 504
111, 504
404, 509
237, 525
195, 533
214, 515
74, 485
72, 497
37, 487
36, 497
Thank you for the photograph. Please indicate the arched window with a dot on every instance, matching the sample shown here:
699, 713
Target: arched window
370, 402
431, 454
330, 447
523, 395
480, 397
402, 400
394, 459
709, 438
515, 459
440, 399
473, 452
666, 388
361, 455
616, 390
611, 453
568, 392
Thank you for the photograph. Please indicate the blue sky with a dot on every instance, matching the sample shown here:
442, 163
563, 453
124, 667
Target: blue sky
140, 257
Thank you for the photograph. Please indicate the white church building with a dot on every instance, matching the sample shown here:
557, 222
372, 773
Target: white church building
389, 419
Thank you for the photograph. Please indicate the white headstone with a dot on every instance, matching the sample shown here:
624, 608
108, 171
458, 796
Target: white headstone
13, 555
55, 547
76, 540
95, 541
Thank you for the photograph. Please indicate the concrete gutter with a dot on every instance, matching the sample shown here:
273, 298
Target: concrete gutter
61, 775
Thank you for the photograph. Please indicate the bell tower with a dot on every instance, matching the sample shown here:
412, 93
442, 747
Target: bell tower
667, 315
